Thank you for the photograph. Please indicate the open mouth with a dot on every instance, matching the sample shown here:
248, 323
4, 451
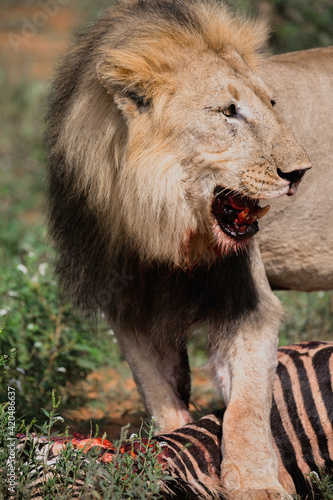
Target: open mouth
236, 215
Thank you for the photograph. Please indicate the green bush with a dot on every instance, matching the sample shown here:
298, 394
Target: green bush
296, 24
53, 345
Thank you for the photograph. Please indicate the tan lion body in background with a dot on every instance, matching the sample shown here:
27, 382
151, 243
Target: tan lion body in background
296, 236
162, 137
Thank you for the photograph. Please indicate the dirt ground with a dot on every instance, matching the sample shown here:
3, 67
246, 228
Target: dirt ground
32, 41
113, 401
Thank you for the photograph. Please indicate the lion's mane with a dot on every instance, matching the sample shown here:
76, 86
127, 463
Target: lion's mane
116, 193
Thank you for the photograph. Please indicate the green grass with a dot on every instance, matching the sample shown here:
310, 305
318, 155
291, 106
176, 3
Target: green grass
308, 316
75, 471
137, 474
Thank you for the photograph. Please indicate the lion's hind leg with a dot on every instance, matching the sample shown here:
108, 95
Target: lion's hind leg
162, 375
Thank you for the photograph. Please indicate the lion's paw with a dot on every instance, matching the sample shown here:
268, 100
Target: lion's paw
256, 490
258, 495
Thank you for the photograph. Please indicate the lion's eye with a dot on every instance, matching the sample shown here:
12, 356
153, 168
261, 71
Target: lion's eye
273, 103
230, 111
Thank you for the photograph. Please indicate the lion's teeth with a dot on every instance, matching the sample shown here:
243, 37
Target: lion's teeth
263, 211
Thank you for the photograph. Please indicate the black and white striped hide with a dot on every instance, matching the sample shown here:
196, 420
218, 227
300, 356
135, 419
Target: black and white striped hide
301, 422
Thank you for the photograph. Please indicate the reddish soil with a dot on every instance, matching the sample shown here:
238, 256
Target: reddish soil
30, 51
113, 401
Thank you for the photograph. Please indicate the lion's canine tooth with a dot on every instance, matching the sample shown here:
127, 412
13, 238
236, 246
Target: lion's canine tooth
263, 211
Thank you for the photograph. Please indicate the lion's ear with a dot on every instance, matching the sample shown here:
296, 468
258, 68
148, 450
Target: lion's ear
112, 75
127, 83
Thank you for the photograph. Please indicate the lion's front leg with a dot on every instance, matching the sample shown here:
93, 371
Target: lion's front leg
162, 375
245, 366
246, 378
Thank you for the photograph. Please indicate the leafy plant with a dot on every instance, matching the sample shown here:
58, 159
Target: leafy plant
53, 346
77, 471
296, 24
322, 484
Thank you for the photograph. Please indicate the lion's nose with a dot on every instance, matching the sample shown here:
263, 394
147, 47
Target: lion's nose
294, 178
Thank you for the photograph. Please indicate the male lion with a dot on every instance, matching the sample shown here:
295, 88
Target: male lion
162, 137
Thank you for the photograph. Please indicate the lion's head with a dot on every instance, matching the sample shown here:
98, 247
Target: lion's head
162, 127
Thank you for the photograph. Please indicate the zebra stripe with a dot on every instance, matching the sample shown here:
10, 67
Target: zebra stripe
305, 373
301, 422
